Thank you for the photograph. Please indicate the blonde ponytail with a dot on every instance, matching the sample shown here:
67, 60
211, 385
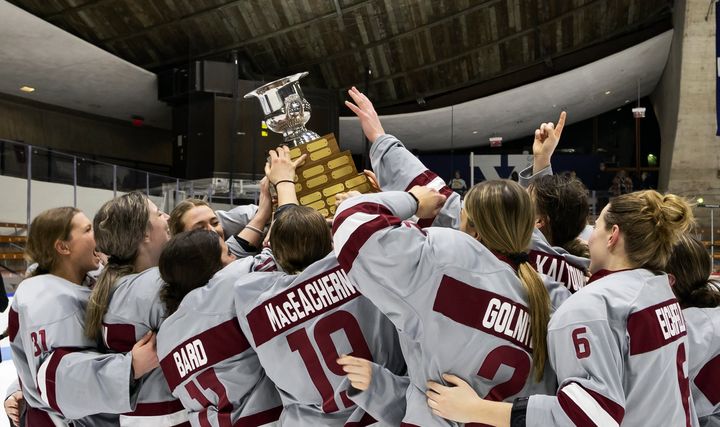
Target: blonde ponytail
504, 217
100, 298
539, 302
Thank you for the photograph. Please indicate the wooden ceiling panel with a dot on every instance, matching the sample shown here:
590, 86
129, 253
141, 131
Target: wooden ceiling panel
412, 46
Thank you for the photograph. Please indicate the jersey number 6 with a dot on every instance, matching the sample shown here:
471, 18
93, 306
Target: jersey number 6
324, 328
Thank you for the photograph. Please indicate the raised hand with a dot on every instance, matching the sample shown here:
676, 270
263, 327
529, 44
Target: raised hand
280, 171
429, 201
358, 370
365, 111
372, 178
547, 138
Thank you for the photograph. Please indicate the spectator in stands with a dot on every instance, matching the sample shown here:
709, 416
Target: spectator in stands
621, 184
457, 184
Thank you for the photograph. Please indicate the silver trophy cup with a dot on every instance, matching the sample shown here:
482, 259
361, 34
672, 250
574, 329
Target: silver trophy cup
286, 110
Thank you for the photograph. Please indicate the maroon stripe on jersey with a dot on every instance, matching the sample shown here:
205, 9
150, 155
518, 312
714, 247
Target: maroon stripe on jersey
573, 411
37, 418
604, 273
268, 263
13, 324
218, 343
559, 269
485, 311
119, 337
304, 301
259, 419
616, 411
366, 420
51, 374
156, 408
408, 425
655, 326
426, 178
367, 207
707, 380
360, 236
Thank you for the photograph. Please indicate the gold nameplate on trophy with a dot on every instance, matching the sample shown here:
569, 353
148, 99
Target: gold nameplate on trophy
327, 171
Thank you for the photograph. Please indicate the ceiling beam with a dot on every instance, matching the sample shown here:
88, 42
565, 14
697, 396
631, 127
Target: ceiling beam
184, 18
522, 75
229, 47
537, 28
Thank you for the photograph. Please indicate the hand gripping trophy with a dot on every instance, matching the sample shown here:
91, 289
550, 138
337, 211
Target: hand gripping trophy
327, 171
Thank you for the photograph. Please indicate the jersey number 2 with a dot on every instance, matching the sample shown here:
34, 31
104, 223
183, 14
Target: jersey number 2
324, 328
39, 342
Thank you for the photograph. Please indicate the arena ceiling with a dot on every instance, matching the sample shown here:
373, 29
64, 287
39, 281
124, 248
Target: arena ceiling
423, 54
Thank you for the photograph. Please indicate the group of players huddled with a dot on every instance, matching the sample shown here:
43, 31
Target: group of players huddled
412, 308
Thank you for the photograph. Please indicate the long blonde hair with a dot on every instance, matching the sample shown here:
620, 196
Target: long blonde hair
120, 227
47, 228
504, 217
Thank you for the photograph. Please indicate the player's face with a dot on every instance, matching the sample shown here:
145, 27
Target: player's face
81, 244
158, 233
202, 218
226, 257
597, 244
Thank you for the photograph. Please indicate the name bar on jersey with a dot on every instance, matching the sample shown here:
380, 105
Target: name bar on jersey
560, 270
485, 311
202, 350
655, 326
300, 303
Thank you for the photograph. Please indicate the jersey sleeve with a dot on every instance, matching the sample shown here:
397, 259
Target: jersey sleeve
82, 383
397, 169
385, 397
234, 220
375, 246
72, 379
588, 364
526, 176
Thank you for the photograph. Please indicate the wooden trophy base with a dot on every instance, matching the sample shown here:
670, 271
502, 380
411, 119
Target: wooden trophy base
327, 171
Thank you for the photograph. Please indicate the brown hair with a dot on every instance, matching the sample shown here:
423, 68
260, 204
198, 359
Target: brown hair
175, 221
691, 265
47, 228
651, 223
299, 237
120, 227
187, 262
562, 201
503, 216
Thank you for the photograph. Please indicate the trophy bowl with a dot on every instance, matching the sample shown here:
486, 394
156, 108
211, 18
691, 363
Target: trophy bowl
286, 109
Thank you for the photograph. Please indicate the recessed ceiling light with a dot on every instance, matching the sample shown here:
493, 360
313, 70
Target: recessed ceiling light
607, 92
627, 101
27, 89
475, 132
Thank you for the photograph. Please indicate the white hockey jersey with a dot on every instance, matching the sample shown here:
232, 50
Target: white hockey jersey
458, 308
62, 374
299, 325
620, 350
208, 362
134, 310
703, 327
